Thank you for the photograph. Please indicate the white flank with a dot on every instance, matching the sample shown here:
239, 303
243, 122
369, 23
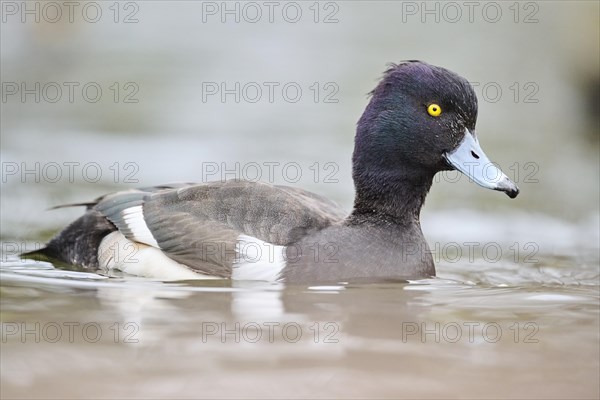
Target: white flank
118, 252
134, 219
257, 260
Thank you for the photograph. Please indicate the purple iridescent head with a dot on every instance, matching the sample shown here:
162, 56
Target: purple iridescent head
421, 120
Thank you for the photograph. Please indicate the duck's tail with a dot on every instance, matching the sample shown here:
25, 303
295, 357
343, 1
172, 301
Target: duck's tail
78, 243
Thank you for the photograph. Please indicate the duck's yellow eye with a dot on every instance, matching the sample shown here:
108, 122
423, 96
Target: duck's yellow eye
434, 110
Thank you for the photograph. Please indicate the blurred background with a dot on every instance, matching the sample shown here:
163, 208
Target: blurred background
146, 92
103, 96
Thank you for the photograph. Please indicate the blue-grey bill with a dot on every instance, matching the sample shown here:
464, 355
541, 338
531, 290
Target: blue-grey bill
470, 159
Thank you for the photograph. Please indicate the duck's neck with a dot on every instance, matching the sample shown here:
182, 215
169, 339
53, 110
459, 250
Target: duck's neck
396, 197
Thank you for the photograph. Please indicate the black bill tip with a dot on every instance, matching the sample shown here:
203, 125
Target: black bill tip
512, 192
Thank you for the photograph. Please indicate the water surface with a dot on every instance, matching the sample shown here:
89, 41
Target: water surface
514, 311
479, 330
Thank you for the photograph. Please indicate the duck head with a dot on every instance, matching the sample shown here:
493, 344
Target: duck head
420, 121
